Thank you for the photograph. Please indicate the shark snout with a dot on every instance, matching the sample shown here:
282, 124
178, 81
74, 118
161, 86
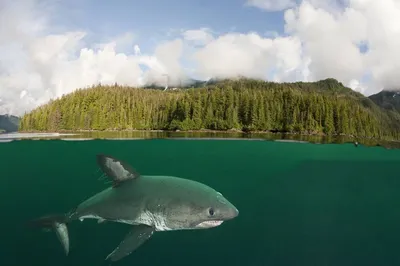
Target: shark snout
231, 213
234, 212
228, 210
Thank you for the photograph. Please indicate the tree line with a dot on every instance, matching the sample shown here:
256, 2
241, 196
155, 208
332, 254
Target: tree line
323, 107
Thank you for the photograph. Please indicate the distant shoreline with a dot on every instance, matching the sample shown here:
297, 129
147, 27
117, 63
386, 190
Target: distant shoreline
220, 134
231, 131
209, 131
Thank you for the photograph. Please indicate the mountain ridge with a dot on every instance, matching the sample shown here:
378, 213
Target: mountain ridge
387, 99
9, 123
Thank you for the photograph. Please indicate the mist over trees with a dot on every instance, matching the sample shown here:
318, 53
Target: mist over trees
323, 107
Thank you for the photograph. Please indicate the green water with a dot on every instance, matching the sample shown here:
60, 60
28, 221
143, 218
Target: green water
300, 204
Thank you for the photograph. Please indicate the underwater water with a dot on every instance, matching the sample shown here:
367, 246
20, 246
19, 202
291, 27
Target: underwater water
300, 203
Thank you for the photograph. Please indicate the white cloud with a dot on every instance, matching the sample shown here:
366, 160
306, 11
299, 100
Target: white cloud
136, 48
356, 86
321, 40
332, 39
36, 66
272, 5
199, 36
328, 41
248, 55
166, 62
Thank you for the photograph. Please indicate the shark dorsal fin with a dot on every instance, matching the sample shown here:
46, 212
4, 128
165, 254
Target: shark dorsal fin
118, 171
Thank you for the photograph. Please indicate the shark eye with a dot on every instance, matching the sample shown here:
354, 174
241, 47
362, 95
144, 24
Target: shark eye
211, 211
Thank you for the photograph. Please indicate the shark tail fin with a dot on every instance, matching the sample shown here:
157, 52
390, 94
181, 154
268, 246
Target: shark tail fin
58, 223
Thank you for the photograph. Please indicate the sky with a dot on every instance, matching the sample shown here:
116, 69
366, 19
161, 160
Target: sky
49, 48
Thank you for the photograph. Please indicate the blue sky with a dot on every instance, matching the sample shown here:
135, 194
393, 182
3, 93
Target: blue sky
151, 20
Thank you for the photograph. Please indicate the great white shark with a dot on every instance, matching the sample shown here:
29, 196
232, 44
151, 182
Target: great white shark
147, 203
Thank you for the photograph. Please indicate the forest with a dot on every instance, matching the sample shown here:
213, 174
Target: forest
322, 107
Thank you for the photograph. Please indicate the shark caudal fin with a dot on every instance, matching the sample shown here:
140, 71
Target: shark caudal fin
56, 223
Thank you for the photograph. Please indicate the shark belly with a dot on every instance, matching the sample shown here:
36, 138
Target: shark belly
156, 220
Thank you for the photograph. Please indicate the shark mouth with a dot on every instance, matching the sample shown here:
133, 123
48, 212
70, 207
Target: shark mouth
208, 224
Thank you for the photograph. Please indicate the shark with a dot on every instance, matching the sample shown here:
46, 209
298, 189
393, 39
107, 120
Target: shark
147, 203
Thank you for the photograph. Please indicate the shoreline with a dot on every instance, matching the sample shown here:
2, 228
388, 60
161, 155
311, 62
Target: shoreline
231, 131
220, 134
209, 131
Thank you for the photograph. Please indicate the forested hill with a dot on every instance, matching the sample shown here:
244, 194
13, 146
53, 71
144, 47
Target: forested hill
323, 107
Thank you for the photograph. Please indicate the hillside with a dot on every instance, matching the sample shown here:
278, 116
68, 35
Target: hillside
9, 123
323, 107
389, 100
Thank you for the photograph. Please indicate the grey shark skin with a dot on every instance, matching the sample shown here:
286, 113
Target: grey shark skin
147, 203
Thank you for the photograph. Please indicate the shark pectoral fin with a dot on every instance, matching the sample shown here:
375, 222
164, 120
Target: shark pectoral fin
62, 235
116, 170
136, 237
